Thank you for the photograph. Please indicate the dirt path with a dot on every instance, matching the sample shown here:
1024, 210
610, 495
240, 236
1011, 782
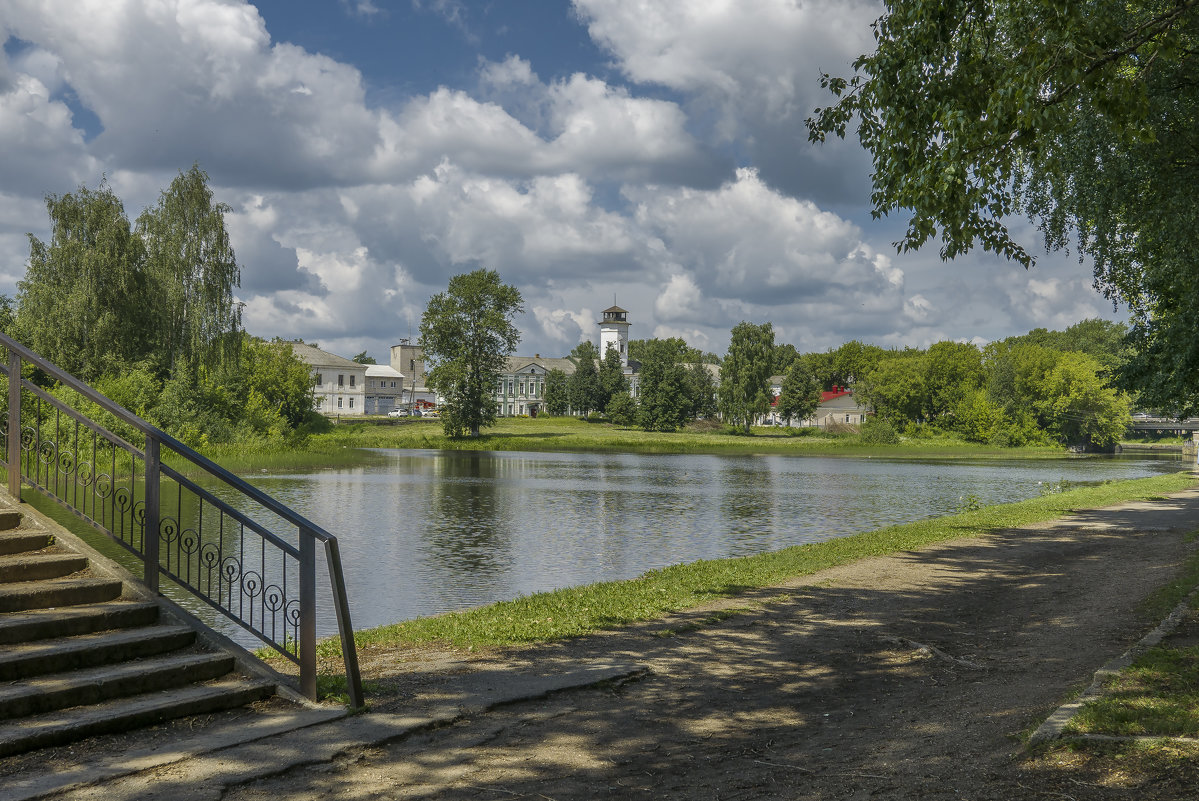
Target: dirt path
903, 677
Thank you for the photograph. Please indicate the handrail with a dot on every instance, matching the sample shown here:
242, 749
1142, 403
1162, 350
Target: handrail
264, 590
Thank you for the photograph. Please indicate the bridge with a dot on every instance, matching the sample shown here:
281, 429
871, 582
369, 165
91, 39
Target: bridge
1180, 427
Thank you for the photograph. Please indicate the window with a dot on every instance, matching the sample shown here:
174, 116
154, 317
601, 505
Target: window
339, 403
351, 399
318, 381
522, 387
351, 380
393, 385
341, 380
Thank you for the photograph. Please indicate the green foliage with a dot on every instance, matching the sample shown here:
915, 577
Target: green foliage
878, 431
557, 398
610, 380
745, 374
583, 386
1084, 116
800, 393
852, 362
193, 271
682, 351
622, 409
952, 370
700, 390
85, 300
894, 388
362, 358
664, 404
467, 334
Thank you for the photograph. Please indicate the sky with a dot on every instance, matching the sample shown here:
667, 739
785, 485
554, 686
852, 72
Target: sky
651, 154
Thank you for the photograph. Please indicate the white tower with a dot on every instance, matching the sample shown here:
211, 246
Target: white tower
614, 333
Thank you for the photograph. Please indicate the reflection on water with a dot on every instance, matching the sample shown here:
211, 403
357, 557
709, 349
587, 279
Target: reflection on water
424, 532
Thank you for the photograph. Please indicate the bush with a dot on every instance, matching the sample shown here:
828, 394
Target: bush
622, 409
877, 431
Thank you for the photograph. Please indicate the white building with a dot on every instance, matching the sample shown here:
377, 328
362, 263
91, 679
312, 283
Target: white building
339, 383
384, 389
521, 388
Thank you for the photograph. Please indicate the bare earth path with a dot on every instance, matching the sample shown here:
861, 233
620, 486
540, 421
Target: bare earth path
908, 676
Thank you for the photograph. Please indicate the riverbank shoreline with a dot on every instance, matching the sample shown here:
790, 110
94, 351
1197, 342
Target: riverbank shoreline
574, 435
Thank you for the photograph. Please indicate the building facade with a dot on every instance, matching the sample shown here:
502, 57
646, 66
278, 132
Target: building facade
409, 360
339, 383
384, 389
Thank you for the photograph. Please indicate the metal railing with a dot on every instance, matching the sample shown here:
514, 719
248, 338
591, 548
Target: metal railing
230, 558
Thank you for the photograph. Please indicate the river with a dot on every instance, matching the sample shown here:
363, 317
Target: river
426, 531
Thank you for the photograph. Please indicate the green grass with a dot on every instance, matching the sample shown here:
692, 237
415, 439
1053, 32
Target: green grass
574, 434
582, 610
1157, 695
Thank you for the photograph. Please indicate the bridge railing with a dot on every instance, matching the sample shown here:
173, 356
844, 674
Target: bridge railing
231, 545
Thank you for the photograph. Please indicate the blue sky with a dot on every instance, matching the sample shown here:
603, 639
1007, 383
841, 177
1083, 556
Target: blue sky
369, 150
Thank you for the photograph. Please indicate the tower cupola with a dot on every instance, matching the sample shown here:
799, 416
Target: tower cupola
614, 333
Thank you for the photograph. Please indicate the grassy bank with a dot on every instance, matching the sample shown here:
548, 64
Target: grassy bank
573, 434
582, 610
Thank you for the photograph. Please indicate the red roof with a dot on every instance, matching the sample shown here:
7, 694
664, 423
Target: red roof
836, 392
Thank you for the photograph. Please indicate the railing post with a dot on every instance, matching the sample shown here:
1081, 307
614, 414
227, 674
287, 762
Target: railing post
14, 424
307, 614
341, 604
150, 540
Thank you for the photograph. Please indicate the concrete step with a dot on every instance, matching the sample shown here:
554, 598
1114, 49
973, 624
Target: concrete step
23, 541
93, 685
44, 624
39, 566
90, 650
27, 595
56, 728
9, 518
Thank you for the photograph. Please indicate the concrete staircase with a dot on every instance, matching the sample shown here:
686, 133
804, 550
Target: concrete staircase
80, 655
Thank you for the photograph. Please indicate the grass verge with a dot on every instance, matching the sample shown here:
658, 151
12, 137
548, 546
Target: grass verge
582, 610
575, 434
1157, 695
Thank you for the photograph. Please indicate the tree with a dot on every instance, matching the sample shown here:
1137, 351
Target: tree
1083, 116
852, 361
683, 352
362, 358
557, 400
894, 389
663, 405
467, 334
952, 370
611, 380
745, 374
583, 388
193, 271
700, 391
83, 301
800, 395
622, 409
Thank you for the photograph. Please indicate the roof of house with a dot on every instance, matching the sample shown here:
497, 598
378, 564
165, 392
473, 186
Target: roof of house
836, 392
516, 363
320, 358
384, 370
615, 309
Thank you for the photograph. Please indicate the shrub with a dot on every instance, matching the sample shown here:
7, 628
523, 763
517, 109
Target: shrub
877, 431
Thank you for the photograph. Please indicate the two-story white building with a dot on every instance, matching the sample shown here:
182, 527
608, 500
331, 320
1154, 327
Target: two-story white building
339, 383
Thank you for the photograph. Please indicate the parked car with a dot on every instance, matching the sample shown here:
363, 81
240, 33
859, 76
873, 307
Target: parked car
398, 413
431, 415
